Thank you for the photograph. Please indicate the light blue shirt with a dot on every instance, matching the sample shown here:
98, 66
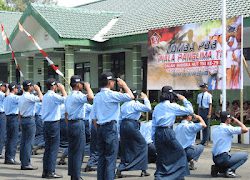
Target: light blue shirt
165, 113
86, 111
38, 108
2, 97
206, 100
222, 136
133, 109
107, 105
51, 106
26, 104
63, 111
186, 131
10, 104
146, 131
74, 105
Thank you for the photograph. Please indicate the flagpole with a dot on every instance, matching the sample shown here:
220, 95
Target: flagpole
224, 63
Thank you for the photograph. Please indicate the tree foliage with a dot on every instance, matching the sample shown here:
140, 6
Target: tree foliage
4, 6
20, 5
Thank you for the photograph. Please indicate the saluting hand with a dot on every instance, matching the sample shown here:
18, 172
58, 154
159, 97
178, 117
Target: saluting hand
86, 85
143, 95
121, 83
36, 88
181, 97
60, 86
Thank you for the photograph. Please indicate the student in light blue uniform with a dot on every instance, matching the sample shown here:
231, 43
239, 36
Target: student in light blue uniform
171, 161
204, 101
226, 162
107, 111
26, 107
51, 117
146, 131
186, 134
76, 128
134, 149
3, 93
87, 109
12, 124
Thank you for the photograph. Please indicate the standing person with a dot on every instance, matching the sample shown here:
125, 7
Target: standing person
26, 107
134, 149
186, 134
171, 160
226, 162
204, 100
3, 93
51, 117
76, 130
107, 110
12, 124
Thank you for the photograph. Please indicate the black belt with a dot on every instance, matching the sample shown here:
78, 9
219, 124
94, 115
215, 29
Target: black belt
12, 115
129, 119
77, 119
1, 112
26, 117
203, 108
162, 127
107, 123
220, 154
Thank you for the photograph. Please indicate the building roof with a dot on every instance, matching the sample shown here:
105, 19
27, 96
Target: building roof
75, 23
9, 21
139, 16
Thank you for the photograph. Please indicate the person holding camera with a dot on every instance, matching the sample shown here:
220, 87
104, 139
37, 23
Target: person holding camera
74, 106
51, 117
171, 158
186, 134
106, 111
226, 162
134, 150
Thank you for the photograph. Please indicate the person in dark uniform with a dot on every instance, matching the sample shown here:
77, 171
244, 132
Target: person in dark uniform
51, 117
76, 128
12, 124
171, 161
204, 100
186, 134
134, 149
106, 110
26, 107
3, 93
226, 162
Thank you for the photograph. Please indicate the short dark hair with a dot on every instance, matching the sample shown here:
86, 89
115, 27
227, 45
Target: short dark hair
104, 78
26, 88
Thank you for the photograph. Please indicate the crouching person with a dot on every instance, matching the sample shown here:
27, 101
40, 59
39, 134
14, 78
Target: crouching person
186, 134
225, 162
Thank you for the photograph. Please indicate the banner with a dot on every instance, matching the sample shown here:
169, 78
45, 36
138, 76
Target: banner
186, 56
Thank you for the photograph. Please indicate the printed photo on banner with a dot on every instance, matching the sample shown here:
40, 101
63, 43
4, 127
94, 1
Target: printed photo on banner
186, 56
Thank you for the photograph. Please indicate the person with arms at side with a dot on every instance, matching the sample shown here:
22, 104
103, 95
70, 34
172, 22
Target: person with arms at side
106, 109
26, 107
226, 162
171, 163
186, 134
51, 117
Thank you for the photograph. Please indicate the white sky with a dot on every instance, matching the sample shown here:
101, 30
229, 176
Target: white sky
70, 3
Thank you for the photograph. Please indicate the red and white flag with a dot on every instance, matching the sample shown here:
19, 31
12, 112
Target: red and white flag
6, 39
45, 55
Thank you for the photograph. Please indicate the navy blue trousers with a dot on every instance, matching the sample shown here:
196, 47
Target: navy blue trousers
2, 131
107, 144
194, 152
151, 153
52, 142
205, 131
76, 137
93, 160
134, 149
87, 131
27, 139
12, 130
39, 137
64, 142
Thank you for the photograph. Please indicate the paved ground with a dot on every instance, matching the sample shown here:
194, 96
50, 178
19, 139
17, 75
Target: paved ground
10, 172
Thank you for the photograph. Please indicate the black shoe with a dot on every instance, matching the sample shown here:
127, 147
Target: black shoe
51, 175
11, 161
88, 169
214, 171
62, 162
118, 174
29, 167
191, 165
144, 173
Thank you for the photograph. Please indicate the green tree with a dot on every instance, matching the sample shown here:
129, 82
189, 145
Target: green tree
4, 6
20, 5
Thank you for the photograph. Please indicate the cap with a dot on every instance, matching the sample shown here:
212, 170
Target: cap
108, 76
203, 85
76, 79
51, 82
167, 89
13, 85
135, 93
27, 83
224, 115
